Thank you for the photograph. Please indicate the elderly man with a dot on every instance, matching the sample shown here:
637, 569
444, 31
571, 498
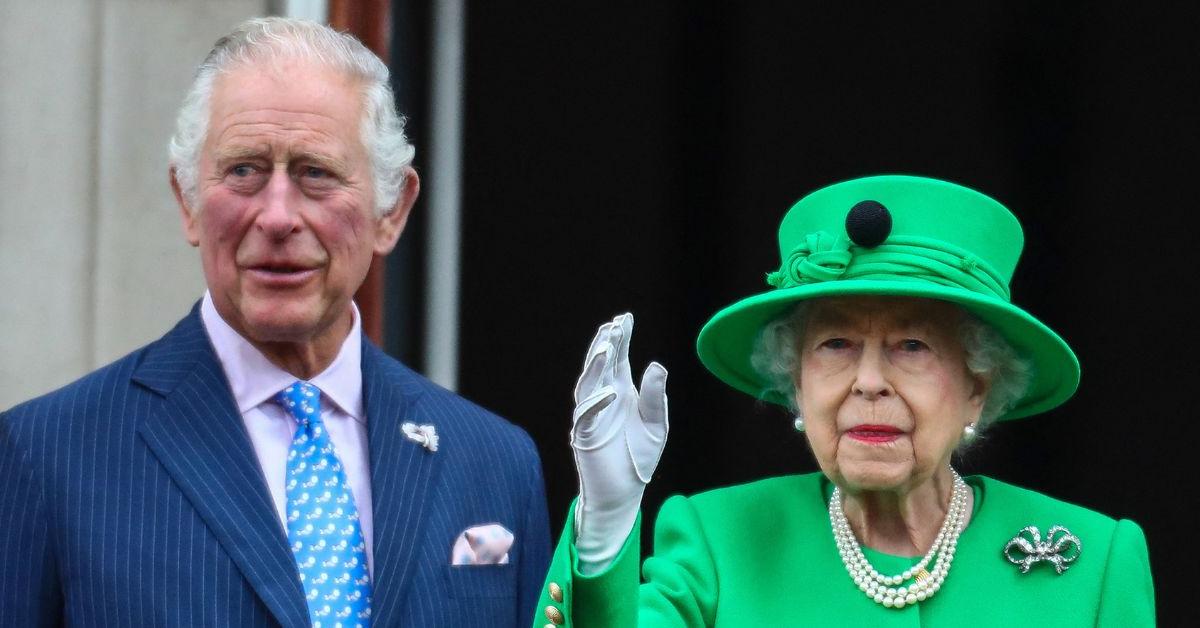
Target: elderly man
263, 463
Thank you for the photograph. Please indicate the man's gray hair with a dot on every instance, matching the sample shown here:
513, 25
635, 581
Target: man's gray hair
273, 40
776, 358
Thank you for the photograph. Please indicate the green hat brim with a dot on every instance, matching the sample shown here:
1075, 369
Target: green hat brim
727, 341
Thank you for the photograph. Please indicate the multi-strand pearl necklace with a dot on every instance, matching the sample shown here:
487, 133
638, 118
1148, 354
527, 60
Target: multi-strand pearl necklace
885, 590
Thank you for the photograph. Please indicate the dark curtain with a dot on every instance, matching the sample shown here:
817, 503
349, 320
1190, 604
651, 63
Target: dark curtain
638, 156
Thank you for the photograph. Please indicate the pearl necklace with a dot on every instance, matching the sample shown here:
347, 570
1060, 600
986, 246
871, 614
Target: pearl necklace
883, 589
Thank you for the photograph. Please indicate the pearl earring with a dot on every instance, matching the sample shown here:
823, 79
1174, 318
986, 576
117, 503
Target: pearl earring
798, 424
969, 432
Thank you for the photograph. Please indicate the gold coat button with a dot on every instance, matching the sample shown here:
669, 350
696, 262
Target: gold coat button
554, 615
556, 592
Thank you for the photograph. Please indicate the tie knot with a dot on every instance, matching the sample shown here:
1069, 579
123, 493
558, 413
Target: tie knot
302, 400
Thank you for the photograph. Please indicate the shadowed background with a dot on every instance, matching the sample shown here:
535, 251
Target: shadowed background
639, 156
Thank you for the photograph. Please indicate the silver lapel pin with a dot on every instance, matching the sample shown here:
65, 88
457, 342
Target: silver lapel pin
424, 435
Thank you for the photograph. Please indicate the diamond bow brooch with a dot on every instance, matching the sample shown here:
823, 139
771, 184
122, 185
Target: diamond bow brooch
1061, 548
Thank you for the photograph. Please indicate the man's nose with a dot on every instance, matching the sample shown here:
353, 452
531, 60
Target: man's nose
277, 217
871, 379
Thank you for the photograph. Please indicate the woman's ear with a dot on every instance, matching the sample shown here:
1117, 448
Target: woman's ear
981, 386
797, 397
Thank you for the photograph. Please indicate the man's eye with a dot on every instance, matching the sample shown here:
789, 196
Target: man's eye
314, 172
242, 170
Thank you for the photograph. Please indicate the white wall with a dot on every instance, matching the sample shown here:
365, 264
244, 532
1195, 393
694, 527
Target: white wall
92, 259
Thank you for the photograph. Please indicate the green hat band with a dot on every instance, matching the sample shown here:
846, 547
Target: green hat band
824, 257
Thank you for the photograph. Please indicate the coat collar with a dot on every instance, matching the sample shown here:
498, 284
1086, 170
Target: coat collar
402, 473
198, 435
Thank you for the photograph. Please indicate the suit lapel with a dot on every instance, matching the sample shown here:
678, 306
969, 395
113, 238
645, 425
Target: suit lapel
197, 434
402, 473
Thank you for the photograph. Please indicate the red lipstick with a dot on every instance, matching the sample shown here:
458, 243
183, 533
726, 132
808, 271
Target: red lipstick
874, 433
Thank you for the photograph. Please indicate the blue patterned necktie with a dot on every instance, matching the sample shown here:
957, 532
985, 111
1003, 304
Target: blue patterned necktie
322, 522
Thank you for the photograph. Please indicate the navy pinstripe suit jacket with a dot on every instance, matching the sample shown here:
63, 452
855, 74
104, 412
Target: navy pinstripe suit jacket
133, 497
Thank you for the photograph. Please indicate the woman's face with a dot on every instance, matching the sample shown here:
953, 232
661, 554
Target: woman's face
884, 389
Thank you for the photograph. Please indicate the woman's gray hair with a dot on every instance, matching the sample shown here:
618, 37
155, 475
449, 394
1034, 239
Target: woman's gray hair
776, 358
274, 40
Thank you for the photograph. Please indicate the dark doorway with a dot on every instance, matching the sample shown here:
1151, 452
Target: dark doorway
638, 156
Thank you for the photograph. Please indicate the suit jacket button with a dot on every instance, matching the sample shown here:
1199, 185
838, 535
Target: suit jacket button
556, 592
554, 615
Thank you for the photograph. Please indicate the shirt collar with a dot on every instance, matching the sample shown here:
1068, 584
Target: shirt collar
255, 380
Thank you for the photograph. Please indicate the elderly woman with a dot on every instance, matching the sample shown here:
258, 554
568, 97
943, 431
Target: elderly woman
890, 332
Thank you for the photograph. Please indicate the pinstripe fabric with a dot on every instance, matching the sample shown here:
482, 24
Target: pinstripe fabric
132, 497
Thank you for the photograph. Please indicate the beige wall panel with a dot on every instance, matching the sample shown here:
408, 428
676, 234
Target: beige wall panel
47, 119
147, 276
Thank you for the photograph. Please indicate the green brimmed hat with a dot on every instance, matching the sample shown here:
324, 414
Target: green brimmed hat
895, 236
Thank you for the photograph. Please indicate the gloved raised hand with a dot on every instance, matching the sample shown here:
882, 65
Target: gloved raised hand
617, 436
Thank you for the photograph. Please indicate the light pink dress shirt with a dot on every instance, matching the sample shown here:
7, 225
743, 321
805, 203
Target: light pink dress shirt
255, 381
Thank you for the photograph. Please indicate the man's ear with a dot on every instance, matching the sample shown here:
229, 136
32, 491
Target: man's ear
391, 224
191, 230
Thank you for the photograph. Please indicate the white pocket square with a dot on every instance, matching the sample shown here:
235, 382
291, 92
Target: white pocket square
482, 545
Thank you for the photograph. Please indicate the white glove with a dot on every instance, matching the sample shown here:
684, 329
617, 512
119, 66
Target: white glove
617, 437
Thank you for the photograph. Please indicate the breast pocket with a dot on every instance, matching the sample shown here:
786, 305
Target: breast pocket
481, 581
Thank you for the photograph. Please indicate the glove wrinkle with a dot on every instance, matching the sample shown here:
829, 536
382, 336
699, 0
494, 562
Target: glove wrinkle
613, 472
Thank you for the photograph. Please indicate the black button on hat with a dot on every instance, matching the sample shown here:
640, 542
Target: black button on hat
868, 223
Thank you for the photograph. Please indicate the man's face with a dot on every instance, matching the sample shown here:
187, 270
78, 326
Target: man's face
285, 218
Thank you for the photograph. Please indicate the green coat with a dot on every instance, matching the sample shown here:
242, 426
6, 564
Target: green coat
762, 554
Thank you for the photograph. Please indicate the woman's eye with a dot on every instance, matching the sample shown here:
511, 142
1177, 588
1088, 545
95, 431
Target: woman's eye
836, 343
912, 345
